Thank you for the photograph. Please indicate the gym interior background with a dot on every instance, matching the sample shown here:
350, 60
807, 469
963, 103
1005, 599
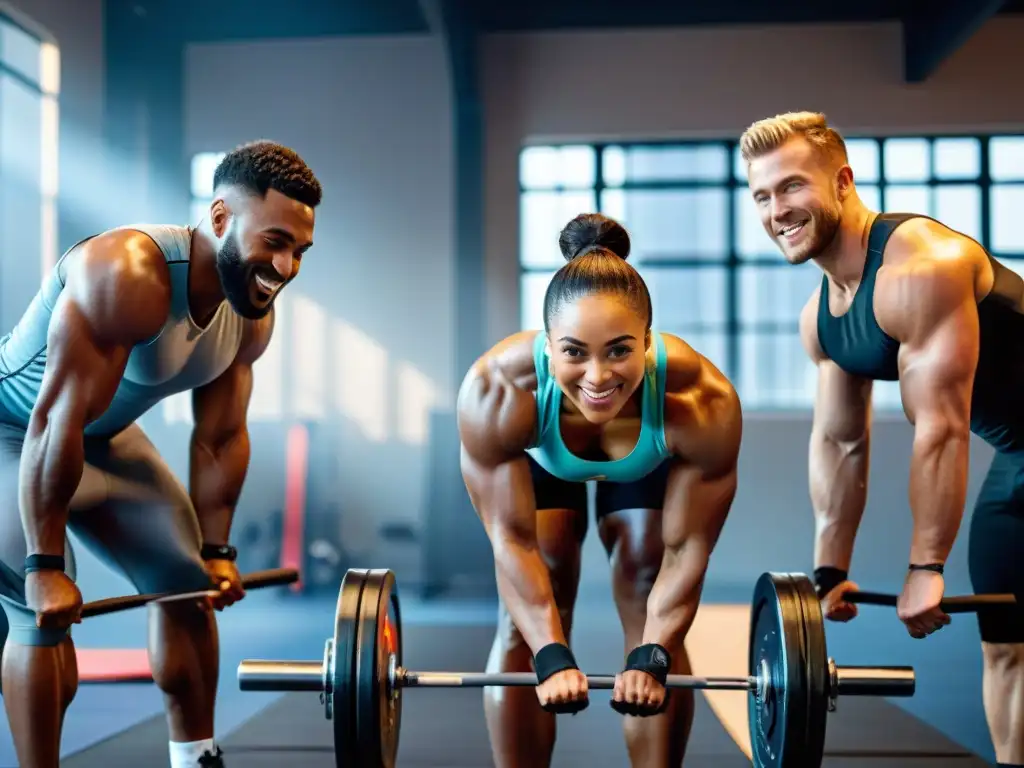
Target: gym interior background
452, 145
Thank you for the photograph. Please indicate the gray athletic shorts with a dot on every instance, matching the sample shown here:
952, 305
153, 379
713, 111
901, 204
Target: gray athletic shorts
129, 510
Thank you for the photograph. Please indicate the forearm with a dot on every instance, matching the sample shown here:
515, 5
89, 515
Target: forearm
938, 492
672, 604
217, 474
52, 461
524, 584
838, 474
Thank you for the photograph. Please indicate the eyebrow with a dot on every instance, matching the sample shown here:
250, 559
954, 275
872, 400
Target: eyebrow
783, 182
616, 340
284, 233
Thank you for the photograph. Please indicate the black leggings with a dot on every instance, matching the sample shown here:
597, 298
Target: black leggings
996, 548
552, 493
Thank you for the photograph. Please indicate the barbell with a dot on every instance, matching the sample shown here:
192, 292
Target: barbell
271, 577
791, 681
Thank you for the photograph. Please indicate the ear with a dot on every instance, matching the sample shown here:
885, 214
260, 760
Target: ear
844, 182
220, 217
648, 339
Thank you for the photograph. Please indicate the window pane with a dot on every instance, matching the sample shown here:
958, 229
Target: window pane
698, 162
547, 167
908, 199
870, 196
676, 223
776, 294
863, 156
684, 297
752, 241
775, 371
20, 51
957, 158
906, 159
739, 167
203, 166
1007, 221
542, 216
532, 288
1006, 158
959, 207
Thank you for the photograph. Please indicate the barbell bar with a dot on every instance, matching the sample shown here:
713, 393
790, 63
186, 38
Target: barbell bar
792, 683
956, 604
271, 577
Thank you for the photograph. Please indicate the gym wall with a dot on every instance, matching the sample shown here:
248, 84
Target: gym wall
365, 333
712, 83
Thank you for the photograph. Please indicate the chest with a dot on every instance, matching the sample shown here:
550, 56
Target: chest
600, 442
184, 356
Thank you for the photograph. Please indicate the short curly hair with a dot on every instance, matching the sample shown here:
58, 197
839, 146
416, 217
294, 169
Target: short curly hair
262, 165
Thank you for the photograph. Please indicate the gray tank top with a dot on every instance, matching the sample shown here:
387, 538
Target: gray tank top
181, 357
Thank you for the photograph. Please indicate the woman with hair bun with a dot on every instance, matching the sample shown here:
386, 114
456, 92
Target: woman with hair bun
597, 395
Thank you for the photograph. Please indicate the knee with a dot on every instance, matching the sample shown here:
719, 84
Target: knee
635, 569
1003, 659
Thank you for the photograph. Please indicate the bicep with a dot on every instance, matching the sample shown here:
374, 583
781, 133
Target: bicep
937, 372
83, 367
842, 404
219, 408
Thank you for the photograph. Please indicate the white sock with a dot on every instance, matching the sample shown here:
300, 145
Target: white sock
186, 754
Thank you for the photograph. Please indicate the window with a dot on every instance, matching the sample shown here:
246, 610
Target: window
203, 166
29, 129
715, 277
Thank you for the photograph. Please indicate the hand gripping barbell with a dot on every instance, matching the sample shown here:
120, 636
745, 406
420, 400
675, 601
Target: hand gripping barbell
792, 681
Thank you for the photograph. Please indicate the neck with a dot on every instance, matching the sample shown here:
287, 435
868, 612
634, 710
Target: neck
843, 261
204, 290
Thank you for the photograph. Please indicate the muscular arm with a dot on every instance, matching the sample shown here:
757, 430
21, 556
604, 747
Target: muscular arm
704, 432
496, 424
838, 452
117, 294
219, 451
932, 309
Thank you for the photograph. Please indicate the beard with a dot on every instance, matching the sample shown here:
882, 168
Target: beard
236, 281
822, 226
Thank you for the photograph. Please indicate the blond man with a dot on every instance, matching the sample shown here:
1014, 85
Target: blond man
905, 298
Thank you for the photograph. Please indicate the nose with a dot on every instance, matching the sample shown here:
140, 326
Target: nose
284, 265
597, 374
780, 209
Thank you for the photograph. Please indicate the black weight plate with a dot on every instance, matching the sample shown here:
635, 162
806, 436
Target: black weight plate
816, 667
378, 707
778, 710
340, 675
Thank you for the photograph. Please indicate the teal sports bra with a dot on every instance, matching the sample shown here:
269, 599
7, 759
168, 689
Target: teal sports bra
548, 448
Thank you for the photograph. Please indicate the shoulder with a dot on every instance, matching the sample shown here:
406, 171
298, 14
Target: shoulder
497, 412
809, 328
930, 270
256, 335
120, 281
703, 413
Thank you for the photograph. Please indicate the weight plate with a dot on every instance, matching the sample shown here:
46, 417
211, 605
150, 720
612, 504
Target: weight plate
339, 677
815, 651
378, 705
778, 707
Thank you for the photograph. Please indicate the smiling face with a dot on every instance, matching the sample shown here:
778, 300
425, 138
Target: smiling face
597, 345
797, 193
262, 250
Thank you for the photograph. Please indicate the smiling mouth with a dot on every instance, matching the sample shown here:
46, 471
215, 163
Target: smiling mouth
266, 288
597, 397
790, 231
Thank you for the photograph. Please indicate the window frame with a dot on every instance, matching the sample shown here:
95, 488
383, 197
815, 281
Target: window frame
732, 261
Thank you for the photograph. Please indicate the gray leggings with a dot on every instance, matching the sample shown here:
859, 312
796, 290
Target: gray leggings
129, 510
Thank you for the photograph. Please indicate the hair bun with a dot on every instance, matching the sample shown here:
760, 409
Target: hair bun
592, 230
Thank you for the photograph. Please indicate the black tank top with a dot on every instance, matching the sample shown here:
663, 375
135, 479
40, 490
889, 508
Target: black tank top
856, 343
